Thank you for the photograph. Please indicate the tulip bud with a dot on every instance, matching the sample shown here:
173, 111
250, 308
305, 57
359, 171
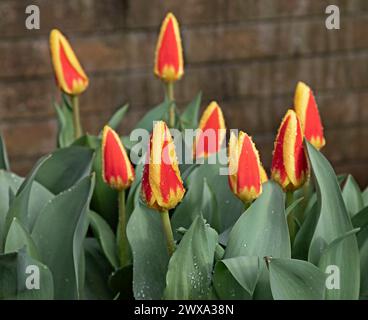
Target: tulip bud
245, 169
307, 112
290, 167
211, 133
117, 170
69, 74
162, 187
169, 65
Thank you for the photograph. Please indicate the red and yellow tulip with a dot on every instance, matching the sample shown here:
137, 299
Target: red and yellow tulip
246, 173
290, 166
117, 170
169, 64
162, 186
211, 133
307, 112
69, 74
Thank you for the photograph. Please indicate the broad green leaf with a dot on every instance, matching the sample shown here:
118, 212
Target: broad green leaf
155, 114
226, 286
365, 197
134, 191
105, 236
104, 199
262, 229
18, 237
4, 162
150, 255
20, 204
305, 234
360, 220
190, 267
342, 253
98, 270
245, 270
199, 200
296, 280
352, 196
118, 117
334, 220
65, 123
59, 233
218, 183
16, 270
64, 168
189, 118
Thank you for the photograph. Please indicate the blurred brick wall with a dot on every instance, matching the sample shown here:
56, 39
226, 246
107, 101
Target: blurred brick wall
247, 54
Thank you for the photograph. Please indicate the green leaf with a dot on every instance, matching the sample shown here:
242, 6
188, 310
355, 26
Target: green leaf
226, 286
64, 168
190, 267
334, 220
262, 229
150, 255
20, 204
64, 113
218, 183
199, 199
342, 253
59, 234
18, 237
293, 206
305, 234
360, 220
352, 196
4, 162
105, 236
157, 113
296, 280
365, 197
16, 274
118, 117
88, 141
245, 270
98, 270
189, 118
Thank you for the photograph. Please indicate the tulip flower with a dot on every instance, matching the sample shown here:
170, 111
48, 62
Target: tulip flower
245, 169
289, 164
162, 186
118, 173
169, 64
69, 74
211, 133
307, 112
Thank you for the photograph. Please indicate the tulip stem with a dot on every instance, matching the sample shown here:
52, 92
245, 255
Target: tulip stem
290, 217
170, 95
123, 245
76, 117
168, 232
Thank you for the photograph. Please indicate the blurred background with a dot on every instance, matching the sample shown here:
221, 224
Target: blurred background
246, 54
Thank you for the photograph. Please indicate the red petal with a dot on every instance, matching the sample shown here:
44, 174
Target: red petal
70, 74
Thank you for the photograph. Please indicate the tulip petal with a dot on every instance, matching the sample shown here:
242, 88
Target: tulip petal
244, 168
118, 172
307, 111
162, 185
69, 74
211, 131
169, 53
